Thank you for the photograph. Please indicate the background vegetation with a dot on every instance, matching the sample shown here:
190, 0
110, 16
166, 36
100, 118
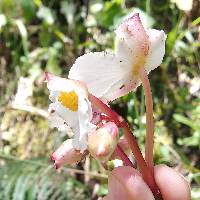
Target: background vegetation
38, 36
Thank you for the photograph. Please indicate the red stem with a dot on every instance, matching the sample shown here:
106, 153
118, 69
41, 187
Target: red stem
149, 119
149, 179
124, 157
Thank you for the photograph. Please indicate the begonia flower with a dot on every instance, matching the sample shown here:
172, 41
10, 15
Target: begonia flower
71, 109
71, 112
111, 75
66, 154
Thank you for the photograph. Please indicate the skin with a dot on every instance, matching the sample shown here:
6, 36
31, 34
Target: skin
126, 183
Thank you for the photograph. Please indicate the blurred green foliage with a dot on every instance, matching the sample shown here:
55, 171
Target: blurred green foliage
38, 36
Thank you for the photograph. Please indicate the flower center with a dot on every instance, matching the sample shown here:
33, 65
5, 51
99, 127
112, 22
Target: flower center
69, 100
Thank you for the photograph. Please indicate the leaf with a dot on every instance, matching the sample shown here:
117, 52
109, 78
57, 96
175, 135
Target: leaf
111, 11
21, 187
45, 37
33, 179
194, 140
28, 9
186, 121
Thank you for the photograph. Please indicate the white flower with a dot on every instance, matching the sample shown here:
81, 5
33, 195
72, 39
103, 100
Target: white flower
109, 76
70, 109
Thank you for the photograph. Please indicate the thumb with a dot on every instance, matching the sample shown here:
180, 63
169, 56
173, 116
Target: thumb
125, 183
172, 185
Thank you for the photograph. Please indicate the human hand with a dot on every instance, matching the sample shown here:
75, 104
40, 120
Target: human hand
126, 183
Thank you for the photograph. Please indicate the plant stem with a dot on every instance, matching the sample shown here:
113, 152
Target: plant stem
149, 119
124, 157
147, 175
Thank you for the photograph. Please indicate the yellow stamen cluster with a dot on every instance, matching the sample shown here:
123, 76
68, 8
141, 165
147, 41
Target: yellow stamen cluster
69, 100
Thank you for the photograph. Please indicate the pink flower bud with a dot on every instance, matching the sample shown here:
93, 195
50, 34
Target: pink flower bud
66, 154
102, 142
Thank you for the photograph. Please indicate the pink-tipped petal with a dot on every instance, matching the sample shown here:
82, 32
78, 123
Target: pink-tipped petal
133, 40
55, 83
125, 183
172, 185
66, 154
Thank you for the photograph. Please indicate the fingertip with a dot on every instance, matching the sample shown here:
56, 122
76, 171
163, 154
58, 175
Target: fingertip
172, 184
127, 183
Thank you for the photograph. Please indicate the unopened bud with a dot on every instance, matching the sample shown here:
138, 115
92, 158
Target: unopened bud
103, 141
66, 154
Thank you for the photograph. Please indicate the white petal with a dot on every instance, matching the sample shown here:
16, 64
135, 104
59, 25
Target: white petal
99, 71
129, 84
55, 83
156, 49
59, 123
53, 95
123, 50
85, 127
56, 121
67, 115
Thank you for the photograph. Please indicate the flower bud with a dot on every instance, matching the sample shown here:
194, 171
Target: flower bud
103, 141
66, 154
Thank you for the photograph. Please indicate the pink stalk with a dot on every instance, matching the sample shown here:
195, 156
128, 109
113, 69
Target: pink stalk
149, 119
147, 175
124, 157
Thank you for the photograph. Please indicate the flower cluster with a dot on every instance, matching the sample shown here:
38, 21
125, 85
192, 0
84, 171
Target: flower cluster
80, 105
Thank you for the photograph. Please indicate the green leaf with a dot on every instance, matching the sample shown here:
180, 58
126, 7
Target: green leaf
194, 140
110, 13
186, 121
29, 9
